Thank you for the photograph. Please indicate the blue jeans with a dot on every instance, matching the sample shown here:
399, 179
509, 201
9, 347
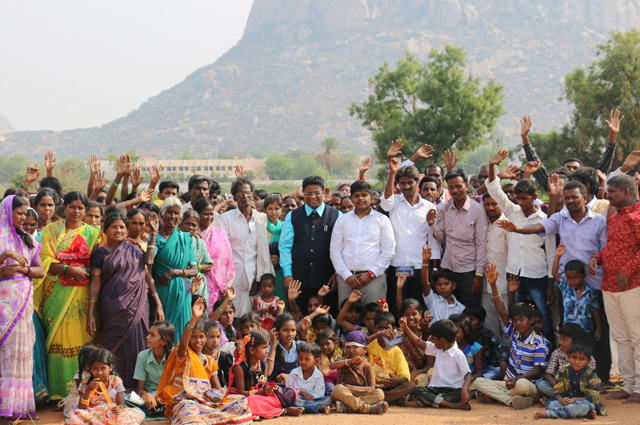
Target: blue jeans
536, 289
577, 409
312, 406
545, 388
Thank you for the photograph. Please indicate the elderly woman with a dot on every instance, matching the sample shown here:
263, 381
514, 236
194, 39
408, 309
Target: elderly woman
224, 270
190, 222
62, 297
173, 266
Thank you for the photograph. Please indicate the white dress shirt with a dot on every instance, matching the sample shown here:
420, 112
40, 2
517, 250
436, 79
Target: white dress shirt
497, 249
314, 385
450, 367
362, 243
411, 230
529, 255
440, 308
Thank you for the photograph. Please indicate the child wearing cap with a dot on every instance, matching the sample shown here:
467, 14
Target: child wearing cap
355, 390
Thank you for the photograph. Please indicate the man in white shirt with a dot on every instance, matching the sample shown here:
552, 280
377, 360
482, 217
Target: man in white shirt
408, 215
198, 188
530, 256
362, 246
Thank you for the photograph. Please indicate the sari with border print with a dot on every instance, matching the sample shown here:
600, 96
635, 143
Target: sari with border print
224, 269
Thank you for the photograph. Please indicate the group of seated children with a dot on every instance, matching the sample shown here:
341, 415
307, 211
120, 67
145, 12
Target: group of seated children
273, 363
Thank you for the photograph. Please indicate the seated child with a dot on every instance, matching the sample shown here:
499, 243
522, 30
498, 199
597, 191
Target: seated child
284, 350
224, 312
318, 324
86, 356
390, 365
494, 353
150, 362
528, 351
537, 324
440, 301
212, 349
199, 398
332, 349
577, 391
249, 378
449, 385
411, 309
356, 390
96, 406
367, 314
266, 305
579, 301
570, 334
352, 315
471, 349
308, 380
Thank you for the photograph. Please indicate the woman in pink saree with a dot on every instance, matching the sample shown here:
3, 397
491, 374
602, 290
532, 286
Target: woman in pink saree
223, 271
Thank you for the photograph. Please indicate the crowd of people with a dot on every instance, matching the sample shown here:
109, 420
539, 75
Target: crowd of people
215, 309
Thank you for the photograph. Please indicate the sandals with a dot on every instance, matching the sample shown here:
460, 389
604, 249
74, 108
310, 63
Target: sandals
379, 408
341, 407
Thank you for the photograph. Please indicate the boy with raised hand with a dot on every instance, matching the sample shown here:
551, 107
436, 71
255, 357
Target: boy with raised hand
577, 391
451, 378
528, 352
440, 302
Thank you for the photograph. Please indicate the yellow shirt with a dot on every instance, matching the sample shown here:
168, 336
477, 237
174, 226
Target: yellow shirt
388, 364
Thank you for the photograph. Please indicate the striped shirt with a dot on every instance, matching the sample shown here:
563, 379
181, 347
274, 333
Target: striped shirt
525, 355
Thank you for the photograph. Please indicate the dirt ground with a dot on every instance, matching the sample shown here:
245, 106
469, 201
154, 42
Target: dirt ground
618, 413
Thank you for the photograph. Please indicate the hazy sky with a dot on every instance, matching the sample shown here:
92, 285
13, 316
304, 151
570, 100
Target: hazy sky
82, 63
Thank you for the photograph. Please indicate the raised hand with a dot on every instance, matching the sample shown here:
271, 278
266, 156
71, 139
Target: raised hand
403, 322
499, 157
327, 195
154, 222
531, 167
155, 172
94, 164
525, 125
556, 186
394, 165
426, 255
124, 164
324, 291
636, 178
507, 225
431, 217
355, 296
614, 121
240, 171
99, 182
383, 306
136, 177
514, 284
31, 175
560, 251
425, 151
146, 195
427, 317
365, 166
631, 161
602, 177
305, 324
401, 281
281, 306
450, 160
198, 310
491, 271
322, 309
49, 161
230, 293
294, 290
395, 149
509, 172
196, 282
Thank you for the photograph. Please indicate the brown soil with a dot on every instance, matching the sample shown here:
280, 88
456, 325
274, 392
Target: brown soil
618, 413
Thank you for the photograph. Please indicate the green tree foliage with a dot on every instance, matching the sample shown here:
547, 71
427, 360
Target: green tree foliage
291, 166
347, 165
328, 158
10, 166
610, 82
437, 102
186, 155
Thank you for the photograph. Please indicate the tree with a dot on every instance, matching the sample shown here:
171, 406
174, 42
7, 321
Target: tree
304, 166
186, 155
347, 165
279, 166
328, 158
611, 82
436, 103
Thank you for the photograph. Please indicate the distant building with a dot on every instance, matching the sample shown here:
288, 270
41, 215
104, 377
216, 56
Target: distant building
207, 167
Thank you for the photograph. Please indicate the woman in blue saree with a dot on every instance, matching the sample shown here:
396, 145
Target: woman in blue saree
173, 266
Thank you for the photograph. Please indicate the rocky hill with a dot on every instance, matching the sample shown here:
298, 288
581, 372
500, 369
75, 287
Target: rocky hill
289, 81
5, 125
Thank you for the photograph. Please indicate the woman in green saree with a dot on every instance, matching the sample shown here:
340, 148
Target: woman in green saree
173, 265
61, 297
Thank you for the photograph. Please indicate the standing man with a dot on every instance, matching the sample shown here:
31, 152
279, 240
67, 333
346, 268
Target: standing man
497, 248
362, 247
408, 212
246, 229
198, 188
621, 282
462, 224
305, 241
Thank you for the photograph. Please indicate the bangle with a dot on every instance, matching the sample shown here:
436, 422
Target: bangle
151, 247
28, 271
92, 301
115, 184
64, 269
151, 295
425, 265
24, 187
82, 400
220, 310
199, 267
346, 362
190, 327
496, 296
272, 359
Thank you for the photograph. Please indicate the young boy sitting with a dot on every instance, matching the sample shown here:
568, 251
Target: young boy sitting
308, 380
442, 303
367, 314
495, 354
528, 351
355, 390
577, 391
391, 367
579, 301
570, 334
449, 385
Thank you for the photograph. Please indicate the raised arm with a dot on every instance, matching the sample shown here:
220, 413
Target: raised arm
424, 272
492, 276
408, 333
613, 123
353, 298
541, 175
394, 166
50, 162
556, 263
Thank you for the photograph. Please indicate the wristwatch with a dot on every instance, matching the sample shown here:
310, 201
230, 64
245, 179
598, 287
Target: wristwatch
372, 275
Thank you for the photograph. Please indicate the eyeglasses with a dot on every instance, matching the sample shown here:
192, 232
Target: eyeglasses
312, 194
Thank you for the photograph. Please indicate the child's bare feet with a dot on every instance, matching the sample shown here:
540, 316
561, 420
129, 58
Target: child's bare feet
592, 414
295, 411
324, 409
379, 408
540, 415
